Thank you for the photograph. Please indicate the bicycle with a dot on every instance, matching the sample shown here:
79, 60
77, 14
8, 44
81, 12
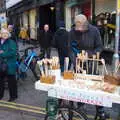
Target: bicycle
65, 111
27, 61
61, 111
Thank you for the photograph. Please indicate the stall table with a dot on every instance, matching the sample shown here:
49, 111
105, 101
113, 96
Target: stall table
75, 91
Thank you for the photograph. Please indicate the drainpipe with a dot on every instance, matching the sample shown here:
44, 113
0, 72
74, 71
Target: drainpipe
116, 54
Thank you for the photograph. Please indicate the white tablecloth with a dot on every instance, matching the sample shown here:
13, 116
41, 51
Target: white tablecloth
62, 89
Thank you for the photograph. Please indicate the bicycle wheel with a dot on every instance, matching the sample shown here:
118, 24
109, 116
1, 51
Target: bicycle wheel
65, 113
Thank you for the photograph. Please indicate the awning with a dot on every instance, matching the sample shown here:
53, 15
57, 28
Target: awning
71, 3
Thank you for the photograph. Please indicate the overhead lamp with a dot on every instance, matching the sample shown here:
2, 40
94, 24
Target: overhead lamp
52, 8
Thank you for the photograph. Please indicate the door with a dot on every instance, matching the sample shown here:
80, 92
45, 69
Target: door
47, 16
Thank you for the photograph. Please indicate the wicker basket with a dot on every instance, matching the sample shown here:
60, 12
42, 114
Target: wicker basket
47, 79
68, 75
112, 79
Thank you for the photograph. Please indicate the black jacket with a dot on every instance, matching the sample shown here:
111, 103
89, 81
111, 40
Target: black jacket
60, 39
89, 40
45, 39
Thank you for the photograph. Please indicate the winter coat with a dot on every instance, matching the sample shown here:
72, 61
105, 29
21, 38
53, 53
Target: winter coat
9, 55
61, 39
89, 40
23, 34
45, 39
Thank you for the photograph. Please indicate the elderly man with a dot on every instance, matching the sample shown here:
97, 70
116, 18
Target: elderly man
85, 36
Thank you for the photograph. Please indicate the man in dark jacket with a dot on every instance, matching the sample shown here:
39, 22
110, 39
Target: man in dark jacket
61, 43
45, 41
85, 36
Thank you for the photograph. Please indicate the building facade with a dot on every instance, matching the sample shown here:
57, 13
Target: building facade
90, 8
33, 14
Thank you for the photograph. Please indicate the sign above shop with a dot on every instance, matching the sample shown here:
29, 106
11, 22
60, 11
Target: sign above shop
10, 3
71, 3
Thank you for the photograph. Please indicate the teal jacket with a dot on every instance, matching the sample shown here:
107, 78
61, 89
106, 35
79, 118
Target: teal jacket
9, 55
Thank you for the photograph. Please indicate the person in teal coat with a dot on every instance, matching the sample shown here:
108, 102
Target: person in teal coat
8, 55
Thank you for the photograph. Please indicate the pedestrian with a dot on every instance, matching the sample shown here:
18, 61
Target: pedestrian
45, 41
12, 32
8, 65
60, 41
85, 37
23, 35
101, 29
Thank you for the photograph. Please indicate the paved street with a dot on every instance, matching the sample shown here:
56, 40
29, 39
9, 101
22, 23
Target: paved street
31, 103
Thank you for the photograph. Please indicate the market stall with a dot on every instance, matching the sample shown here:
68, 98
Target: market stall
71, 90
79, 86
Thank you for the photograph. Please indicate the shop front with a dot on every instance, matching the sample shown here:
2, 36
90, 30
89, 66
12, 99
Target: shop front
34, 14
47, 15
105, 11
102, 6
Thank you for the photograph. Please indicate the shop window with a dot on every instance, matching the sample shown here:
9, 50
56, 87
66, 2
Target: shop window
106, 25
75, 11
84, 8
